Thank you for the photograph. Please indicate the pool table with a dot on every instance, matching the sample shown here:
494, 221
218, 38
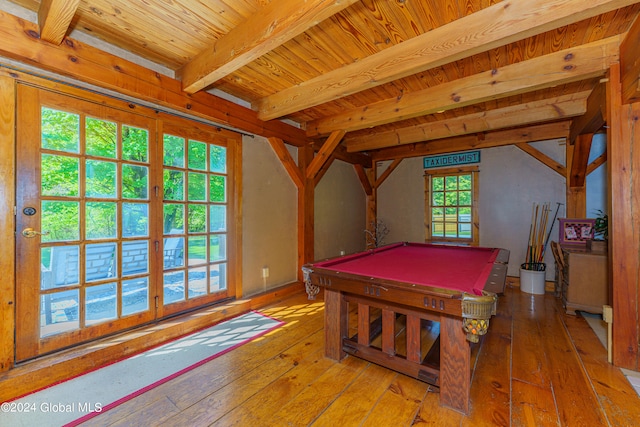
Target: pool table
383, 305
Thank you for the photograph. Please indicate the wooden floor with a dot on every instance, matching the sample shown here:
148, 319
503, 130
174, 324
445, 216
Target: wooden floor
536, 367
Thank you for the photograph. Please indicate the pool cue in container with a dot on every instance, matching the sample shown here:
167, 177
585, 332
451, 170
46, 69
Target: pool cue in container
550, 229
537, 231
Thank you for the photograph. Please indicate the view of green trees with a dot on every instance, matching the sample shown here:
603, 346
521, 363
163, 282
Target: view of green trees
187, 177
451, 202
197, 189
97, 182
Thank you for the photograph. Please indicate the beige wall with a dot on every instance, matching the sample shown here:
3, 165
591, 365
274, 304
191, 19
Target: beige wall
269, 217
269, 205
340, 207
510, 182
401, 201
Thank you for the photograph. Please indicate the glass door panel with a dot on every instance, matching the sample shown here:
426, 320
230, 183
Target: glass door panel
195, 212
90, 209
118, 224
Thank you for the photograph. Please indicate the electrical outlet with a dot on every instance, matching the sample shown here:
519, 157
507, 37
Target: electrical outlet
265, 272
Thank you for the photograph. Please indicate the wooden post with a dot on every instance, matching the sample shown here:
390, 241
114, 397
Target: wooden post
367, 177
305, 210
372, 205
623, 167
7, 220
576, 196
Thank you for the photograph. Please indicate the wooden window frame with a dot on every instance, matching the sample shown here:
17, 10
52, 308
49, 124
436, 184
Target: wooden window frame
475, 220
28, 338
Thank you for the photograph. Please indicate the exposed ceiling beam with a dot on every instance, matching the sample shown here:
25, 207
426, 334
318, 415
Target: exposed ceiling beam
324, 153
277, 23
494, 26
566, 66
475, 142
387, 172
364, 179
594, 118
580, 160
544, 110
323, 169
287, 161
630, 64
599, 161
543, 158
363, 159
360, 161
54, 18
20, 41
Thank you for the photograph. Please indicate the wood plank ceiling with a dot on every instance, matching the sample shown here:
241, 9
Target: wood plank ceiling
392, 74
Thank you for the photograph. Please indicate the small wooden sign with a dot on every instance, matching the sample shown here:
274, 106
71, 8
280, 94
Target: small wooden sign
446, 160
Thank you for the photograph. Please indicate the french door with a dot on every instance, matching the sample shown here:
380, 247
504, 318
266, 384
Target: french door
197, 219
118, 222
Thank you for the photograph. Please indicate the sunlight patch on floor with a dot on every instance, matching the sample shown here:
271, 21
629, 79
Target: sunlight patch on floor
599, 326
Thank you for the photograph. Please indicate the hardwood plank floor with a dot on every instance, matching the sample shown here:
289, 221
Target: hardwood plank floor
536, 367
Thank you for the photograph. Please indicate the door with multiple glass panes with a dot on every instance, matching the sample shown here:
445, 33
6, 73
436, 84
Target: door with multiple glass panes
195, 211
117, 224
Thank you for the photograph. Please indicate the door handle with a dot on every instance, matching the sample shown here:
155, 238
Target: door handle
31, 233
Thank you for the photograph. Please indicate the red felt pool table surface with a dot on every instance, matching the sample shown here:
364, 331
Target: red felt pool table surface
393, 292
461, 268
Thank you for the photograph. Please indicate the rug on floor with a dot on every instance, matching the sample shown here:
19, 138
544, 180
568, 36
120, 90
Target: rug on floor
78, 399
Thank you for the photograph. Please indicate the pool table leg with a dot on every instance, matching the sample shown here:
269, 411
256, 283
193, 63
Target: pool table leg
336, 323
455, 365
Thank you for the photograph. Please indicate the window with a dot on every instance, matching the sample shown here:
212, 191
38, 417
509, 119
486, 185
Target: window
195, 193
451, 205
129, 217
95, 208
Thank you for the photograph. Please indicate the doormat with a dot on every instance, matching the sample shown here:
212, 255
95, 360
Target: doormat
72, 402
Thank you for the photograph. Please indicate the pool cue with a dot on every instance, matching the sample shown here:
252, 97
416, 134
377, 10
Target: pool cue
533, 236
536, 228
539, 227
543, 228
527, 259
552, 223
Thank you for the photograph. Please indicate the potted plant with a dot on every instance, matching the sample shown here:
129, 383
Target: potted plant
601, 233
602, 226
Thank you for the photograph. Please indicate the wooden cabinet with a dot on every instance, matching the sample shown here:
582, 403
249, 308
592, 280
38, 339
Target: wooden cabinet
585, 280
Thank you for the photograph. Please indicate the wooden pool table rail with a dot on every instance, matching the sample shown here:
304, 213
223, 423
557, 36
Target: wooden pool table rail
446, 364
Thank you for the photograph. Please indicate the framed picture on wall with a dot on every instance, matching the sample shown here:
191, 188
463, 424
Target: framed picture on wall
576, 231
